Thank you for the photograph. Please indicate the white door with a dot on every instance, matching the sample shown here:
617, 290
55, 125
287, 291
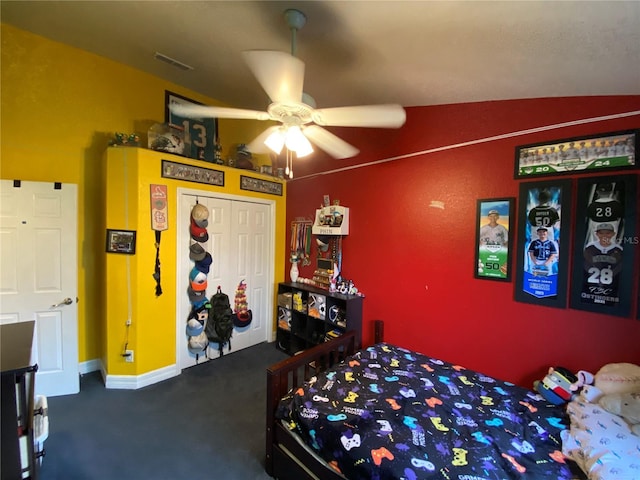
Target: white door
241, 244
38, 276
251, 261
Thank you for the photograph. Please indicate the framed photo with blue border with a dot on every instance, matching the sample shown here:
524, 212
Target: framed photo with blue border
604, 245
543, 243
203, 132
494, 233
569, 156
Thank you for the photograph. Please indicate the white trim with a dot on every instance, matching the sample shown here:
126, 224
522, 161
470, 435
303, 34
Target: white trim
475, 142
89, 366
132, 382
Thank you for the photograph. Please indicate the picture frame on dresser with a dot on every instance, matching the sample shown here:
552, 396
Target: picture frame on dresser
542, 254
605, 244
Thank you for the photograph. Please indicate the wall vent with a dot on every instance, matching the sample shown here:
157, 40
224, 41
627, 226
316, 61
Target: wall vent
171, 61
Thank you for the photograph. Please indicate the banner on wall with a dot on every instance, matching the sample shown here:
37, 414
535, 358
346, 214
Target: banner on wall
494, 220
543, 236
605, 244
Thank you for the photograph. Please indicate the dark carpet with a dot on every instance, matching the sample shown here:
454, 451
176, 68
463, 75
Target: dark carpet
208, 423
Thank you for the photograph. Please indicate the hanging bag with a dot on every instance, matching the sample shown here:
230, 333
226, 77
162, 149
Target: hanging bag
220, 325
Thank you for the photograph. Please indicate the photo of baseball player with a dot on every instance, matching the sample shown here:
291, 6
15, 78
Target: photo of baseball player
542, 253
493, 233
493, 238
542, 241
603, 252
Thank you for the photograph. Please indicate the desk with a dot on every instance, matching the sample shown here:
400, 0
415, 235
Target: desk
18, 379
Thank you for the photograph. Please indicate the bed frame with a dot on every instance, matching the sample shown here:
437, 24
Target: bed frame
286, 459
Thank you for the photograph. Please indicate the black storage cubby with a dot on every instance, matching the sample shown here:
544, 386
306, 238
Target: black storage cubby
309, 315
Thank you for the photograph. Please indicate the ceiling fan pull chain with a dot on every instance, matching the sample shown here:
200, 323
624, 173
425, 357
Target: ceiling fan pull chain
290, 164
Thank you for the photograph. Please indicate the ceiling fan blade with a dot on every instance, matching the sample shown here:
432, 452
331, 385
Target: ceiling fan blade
203, 111
330, 143
280, 74
257, 145
383, 116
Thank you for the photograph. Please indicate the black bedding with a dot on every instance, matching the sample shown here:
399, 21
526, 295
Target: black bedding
390, 413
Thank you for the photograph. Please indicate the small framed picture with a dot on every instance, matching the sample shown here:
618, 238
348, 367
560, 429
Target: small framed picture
121, 241
590, 154
494, 221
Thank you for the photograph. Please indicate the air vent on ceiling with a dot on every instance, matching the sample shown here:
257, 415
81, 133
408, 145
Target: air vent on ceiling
172, 61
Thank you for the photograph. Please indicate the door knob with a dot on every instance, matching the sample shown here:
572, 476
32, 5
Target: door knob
66, 301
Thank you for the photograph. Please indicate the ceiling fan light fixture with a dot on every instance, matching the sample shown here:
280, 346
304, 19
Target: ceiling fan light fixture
275, 141
297, 142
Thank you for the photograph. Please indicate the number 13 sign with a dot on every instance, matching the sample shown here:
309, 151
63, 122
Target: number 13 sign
203, 132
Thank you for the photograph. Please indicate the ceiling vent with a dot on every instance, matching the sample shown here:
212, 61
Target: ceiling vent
171, 61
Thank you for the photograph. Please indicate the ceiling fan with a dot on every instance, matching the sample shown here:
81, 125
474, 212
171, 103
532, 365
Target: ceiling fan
281, 75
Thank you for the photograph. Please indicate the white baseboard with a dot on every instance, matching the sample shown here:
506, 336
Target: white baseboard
89, 366
128, 382
132, 382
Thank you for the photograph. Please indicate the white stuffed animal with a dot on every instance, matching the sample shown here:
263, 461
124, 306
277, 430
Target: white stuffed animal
626, 406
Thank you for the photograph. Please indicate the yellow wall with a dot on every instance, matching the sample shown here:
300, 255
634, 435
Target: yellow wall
152, 334
59, 108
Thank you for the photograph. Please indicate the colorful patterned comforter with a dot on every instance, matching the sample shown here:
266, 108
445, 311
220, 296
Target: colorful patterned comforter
390, 413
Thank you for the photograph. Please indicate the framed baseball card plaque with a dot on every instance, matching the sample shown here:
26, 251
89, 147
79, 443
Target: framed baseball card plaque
590, 154
494, 220
543, 243
605, 244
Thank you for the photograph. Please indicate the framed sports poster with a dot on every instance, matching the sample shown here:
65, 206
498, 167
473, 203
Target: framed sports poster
604, 245
494, 219
543, 243
202, 132
590, 154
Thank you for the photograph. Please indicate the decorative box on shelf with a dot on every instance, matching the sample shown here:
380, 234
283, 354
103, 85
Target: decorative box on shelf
331, 220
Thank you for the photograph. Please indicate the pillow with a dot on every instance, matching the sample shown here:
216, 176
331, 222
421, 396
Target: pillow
600, 442
618, 378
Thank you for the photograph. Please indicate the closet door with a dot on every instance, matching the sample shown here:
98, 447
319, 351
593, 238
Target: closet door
240, 243
250, 261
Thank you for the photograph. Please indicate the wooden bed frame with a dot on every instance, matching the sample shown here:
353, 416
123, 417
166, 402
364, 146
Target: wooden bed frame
286, 458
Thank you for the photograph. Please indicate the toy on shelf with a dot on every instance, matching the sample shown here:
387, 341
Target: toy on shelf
122, 139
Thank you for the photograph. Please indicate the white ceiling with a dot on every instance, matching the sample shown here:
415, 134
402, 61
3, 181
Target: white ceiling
363, 52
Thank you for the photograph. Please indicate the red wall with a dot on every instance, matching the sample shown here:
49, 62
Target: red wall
415, 263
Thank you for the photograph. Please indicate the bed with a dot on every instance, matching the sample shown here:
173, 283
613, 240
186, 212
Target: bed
385, 412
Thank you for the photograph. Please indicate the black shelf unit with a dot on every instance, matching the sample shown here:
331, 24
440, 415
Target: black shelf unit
308, 315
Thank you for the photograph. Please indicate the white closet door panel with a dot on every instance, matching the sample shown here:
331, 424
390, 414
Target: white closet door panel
240, 244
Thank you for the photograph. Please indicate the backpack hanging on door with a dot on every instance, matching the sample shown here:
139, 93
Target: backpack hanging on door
220, 325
